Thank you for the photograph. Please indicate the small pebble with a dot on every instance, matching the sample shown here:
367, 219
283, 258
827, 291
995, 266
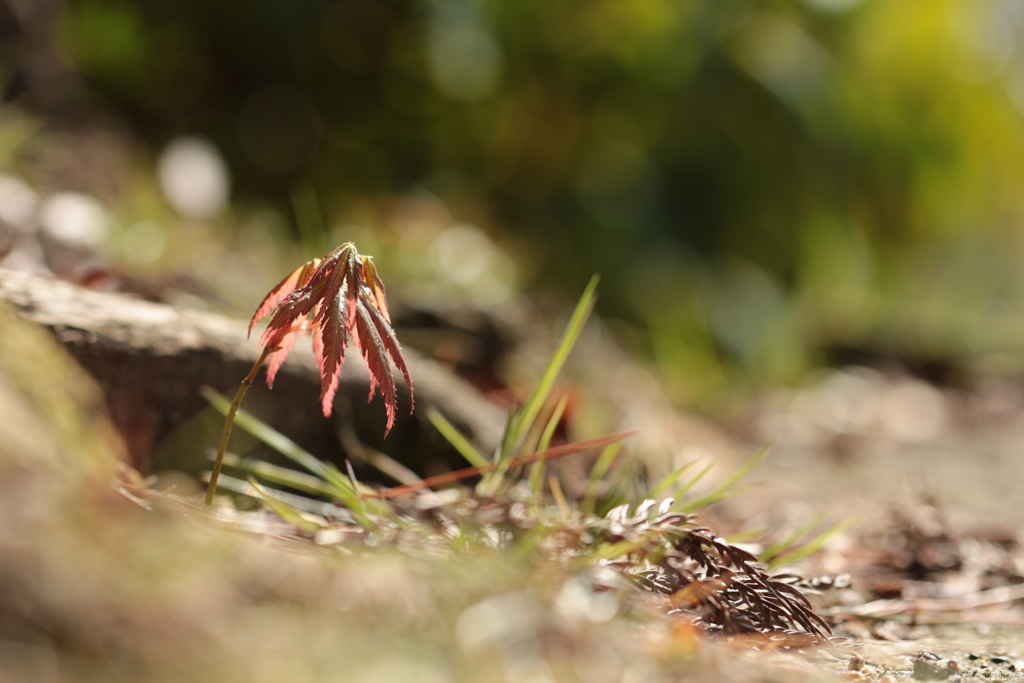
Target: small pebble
856, 663
928, 667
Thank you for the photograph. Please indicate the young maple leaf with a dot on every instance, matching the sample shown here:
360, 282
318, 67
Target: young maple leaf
335, 299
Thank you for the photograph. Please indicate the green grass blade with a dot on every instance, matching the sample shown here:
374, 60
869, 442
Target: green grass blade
774, 549
685, 488
726, 486
812, 546
610, 551
506, 436
745, 536
670, 480
316, 507
597, 473
357, 504
339, 483
537, 469
531, 408
283, 510
456, 439
492, 480
283, 445
268, 435
354, 495
279, 475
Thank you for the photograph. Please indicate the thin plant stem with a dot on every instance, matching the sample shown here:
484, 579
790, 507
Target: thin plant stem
229, 422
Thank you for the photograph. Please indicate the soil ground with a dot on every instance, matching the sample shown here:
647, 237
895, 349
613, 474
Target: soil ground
857, 442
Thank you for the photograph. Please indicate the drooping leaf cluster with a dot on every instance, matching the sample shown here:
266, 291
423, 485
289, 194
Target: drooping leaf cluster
335, 299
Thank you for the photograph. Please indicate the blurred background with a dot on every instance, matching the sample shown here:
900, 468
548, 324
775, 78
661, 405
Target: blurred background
765, 187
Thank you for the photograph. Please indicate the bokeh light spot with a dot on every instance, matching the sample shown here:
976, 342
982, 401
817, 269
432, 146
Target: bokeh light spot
194, 178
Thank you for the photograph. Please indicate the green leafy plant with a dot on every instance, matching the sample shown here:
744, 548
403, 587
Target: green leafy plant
336, 299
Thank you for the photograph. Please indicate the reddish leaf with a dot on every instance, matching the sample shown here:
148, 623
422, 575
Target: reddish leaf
297, 278
333, 342
290, 310
390, 341
335, 299
376, 286
276, 359
331, 277
375, 355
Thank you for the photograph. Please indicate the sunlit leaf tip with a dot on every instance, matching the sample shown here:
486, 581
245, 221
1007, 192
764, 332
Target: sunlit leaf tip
297, 278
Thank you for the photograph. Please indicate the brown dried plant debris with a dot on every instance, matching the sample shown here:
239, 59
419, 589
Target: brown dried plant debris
335, 299
722, 586
677, 567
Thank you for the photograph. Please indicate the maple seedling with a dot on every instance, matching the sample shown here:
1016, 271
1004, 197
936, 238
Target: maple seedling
336, 299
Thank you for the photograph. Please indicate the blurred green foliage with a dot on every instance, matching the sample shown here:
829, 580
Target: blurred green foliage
757, 182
